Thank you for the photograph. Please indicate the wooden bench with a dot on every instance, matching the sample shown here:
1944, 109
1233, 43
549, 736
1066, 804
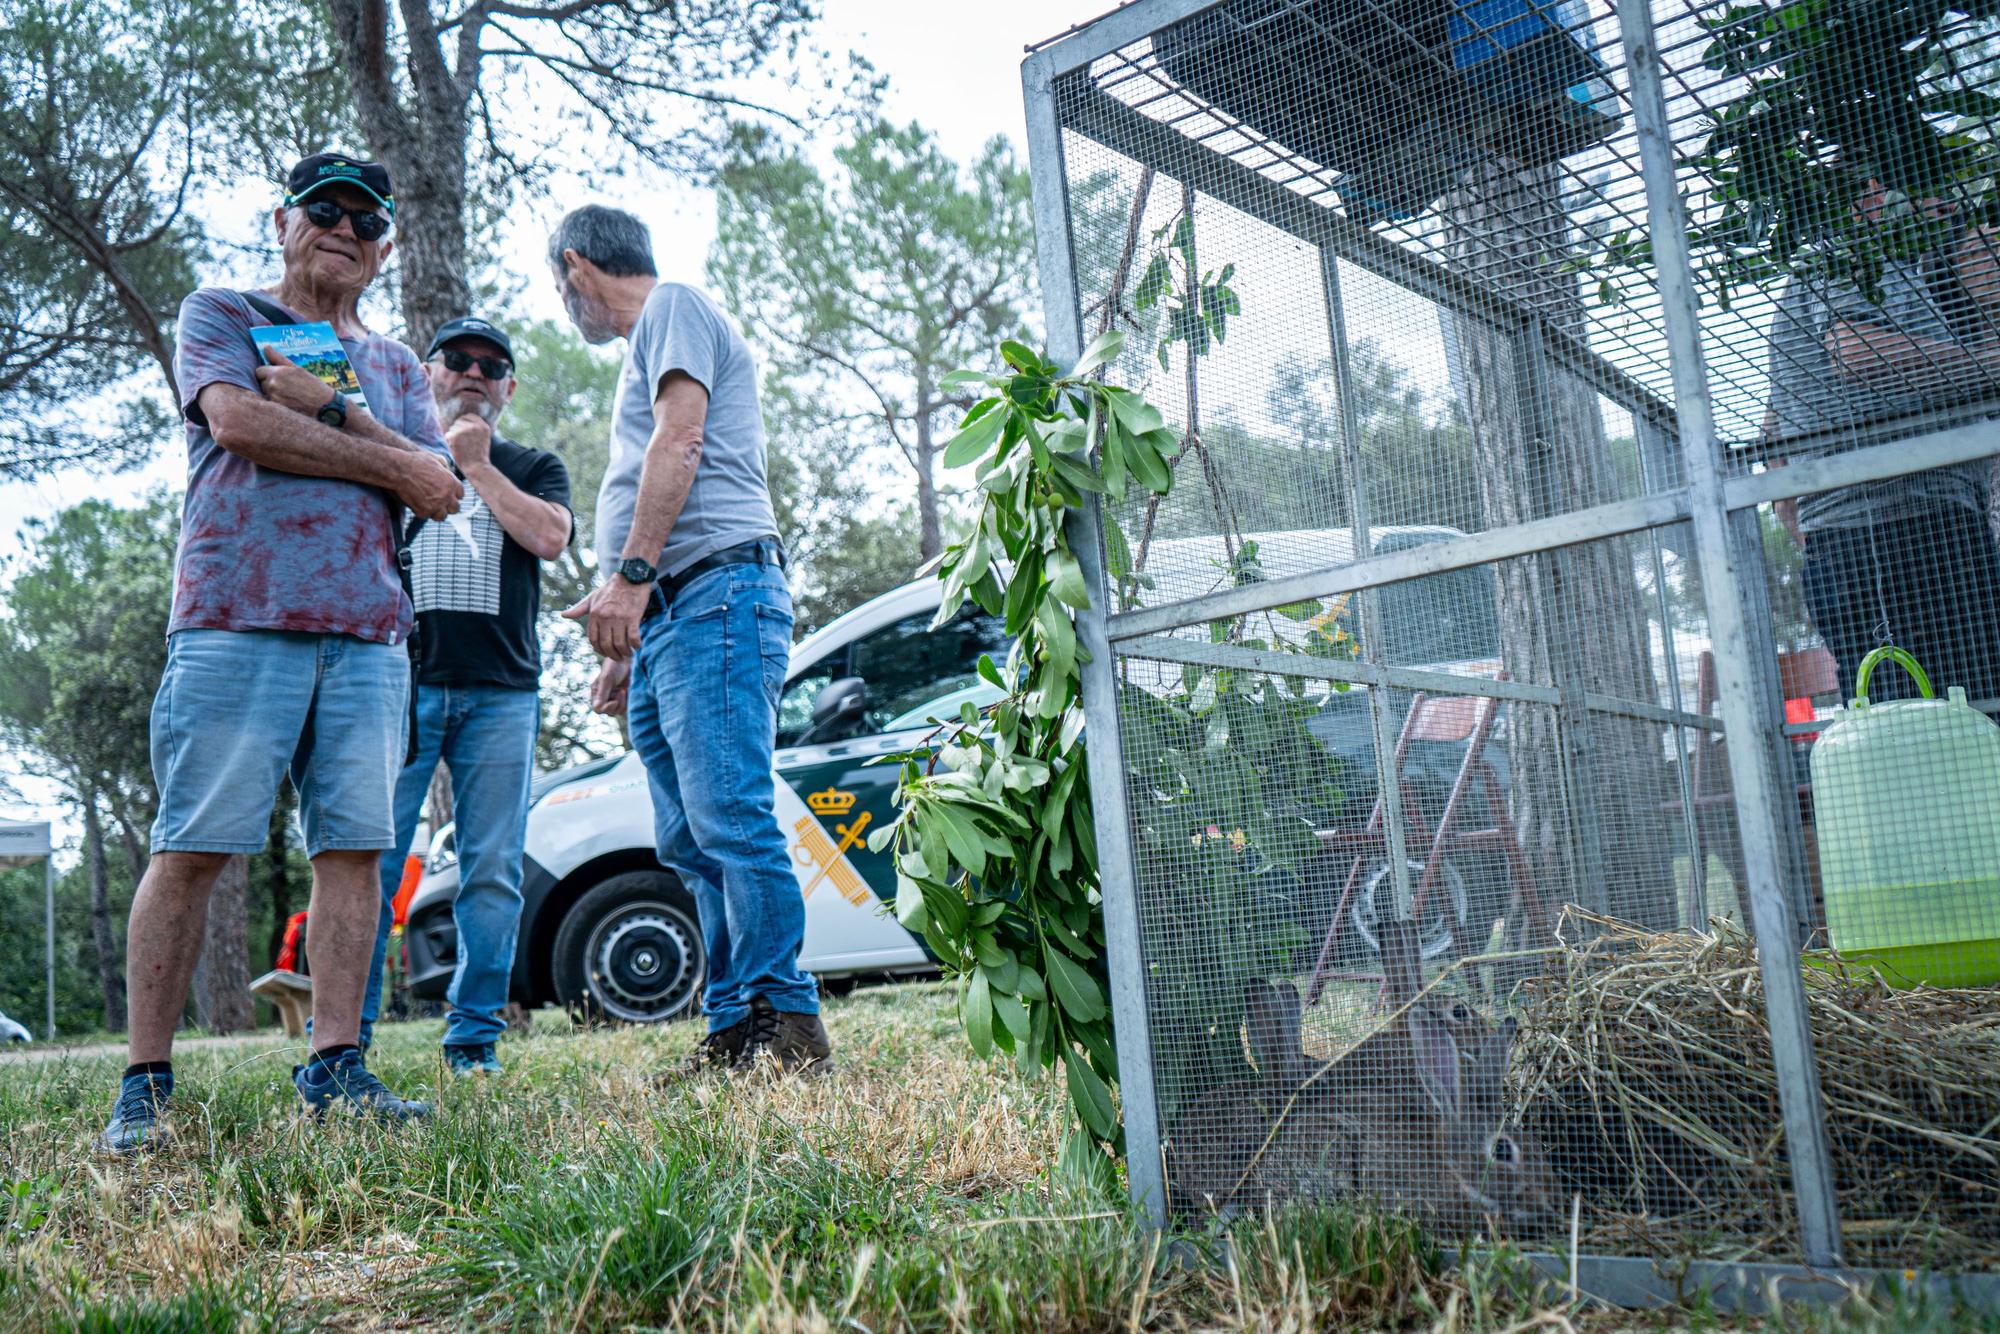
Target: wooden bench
292, 993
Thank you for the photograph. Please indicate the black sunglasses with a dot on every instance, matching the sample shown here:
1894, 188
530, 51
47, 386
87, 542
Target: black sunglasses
458, 363
326, 215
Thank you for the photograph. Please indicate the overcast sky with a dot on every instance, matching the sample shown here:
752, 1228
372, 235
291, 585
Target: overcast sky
965, 86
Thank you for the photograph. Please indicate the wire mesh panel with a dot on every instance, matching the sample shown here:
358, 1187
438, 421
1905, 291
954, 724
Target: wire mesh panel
1500, 849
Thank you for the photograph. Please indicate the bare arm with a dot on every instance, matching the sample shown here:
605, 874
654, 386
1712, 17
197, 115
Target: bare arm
680, 411
541, 526
1890, 360
274, 436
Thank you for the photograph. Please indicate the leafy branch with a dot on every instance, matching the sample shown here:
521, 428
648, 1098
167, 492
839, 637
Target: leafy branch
1198, 305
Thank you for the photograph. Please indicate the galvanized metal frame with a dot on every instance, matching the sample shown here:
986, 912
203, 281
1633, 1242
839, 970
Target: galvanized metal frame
1752, 771
1145, 1170
1707, 498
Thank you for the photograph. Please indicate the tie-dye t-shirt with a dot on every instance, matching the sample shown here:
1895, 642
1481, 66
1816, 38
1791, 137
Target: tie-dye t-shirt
262, 549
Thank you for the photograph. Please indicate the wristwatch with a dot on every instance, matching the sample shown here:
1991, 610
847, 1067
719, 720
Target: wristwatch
633, 570
334, 414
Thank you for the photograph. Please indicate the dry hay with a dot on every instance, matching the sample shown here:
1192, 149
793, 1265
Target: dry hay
1645, 1067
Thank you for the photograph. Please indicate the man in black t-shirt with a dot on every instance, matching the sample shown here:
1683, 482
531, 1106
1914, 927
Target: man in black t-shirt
476, 579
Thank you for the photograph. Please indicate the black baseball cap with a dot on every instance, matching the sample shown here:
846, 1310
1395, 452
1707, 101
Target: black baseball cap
324, 169
470, 326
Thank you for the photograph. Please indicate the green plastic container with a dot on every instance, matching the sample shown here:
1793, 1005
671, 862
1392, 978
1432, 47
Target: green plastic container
1906, 798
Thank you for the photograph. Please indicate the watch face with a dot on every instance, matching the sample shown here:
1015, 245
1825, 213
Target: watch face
636, 571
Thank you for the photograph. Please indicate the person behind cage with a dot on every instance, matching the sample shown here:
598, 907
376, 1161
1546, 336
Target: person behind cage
476, 578
1908, 560
694, 620
286, 645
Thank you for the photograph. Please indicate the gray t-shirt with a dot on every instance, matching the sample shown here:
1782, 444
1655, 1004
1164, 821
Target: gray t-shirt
1920, 297
682, 329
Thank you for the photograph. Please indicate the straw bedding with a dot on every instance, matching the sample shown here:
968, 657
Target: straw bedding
1645, 1068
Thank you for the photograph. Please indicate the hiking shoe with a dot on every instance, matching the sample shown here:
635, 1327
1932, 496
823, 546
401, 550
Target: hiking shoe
795, 1043
135, 1116
348, 1085
473, 1058
720, 1050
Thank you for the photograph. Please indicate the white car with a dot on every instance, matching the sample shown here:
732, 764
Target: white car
604, 925
11, 1032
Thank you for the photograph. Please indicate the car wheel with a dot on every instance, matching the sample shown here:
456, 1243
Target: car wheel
630, 949
1448, 900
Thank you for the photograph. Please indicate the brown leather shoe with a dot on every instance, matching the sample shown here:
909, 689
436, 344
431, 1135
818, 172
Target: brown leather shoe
791, 1043
720, 1051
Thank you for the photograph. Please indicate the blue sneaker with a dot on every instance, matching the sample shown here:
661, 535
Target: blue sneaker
135, 1117
474, 1058
348, 1085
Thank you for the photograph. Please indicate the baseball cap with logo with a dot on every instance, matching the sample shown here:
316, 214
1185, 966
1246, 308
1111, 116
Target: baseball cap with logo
323, 169
470, 326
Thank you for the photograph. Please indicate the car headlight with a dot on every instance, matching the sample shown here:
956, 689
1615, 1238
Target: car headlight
443, 851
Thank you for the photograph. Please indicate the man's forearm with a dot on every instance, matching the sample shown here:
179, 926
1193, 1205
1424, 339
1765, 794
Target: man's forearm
539, 525
664, 482
369, 427
1890, 360
276, 437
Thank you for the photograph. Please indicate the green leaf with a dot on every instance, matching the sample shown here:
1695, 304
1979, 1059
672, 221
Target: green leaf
966, 848
978, 1010
1089, 1096
1076, 474
910, 910
1013, 1014
1153, 284
989, 673
982, 426
1030, 986
1148, 466
1134, 413
1021, 357
1066, 580
1103, 348
1082, 999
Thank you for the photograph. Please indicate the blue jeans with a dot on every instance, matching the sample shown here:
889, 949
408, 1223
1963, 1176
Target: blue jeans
237, 708
486, 737
704, 716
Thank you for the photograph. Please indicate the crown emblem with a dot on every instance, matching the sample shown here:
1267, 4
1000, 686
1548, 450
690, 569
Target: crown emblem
831, 802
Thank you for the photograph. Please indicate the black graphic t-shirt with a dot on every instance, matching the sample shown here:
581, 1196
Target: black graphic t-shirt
477, 590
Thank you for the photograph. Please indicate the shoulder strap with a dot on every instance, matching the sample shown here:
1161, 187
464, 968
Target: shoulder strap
269, 310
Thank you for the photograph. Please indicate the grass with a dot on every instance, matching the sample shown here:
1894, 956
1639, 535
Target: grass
910, 1191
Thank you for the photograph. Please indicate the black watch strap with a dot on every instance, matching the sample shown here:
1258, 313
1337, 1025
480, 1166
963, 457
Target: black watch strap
334, 414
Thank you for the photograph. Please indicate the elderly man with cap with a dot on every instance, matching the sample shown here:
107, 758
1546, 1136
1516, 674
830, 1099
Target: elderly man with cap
286, 648
476, 579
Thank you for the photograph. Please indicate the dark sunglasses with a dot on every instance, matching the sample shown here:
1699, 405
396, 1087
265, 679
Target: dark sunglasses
326, 215
458, 363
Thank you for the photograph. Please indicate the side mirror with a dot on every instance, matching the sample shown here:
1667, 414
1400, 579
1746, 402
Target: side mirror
837, 710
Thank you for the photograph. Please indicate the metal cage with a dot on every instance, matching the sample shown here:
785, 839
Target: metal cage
1471, 632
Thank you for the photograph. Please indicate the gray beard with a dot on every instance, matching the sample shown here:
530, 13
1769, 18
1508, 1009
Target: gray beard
481, 408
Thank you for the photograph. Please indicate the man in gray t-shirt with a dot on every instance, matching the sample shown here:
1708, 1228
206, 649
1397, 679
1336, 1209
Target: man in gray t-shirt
1907, 560
694, 620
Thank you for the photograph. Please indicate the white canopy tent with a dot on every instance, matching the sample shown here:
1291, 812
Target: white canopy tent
23, 842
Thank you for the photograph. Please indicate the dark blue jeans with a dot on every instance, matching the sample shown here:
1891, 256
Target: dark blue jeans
1929, 584
703, 713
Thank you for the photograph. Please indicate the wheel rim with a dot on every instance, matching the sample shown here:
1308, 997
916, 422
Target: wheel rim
643, 962
1434, 931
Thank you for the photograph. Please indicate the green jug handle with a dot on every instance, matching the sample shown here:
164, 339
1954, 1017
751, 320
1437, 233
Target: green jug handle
1902, 658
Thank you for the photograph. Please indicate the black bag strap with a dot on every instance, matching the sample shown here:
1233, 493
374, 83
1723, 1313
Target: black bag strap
277, 314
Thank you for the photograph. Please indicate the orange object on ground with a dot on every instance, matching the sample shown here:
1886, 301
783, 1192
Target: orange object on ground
288, 953
413, 874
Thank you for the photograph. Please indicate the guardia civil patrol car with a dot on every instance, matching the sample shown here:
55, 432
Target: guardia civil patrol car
604, 926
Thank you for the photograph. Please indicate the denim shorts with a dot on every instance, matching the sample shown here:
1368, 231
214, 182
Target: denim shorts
237, 709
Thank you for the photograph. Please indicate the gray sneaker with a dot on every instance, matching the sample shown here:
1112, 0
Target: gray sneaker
348, 1085
475, 1058
135, 1117
791, 1043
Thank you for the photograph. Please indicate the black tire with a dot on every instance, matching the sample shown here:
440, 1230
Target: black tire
630, 950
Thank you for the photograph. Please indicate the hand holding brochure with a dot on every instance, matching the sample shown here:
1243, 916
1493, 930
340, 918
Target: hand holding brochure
317, 349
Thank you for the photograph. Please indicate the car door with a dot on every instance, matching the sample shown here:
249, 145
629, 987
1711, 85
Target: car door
840, 791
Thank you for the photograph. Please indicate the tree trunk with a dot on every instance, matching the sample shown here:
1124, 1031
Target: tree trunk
278, 872
930, 529
222, 1002
110, 961
439, 800
422, 143
1575, 616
